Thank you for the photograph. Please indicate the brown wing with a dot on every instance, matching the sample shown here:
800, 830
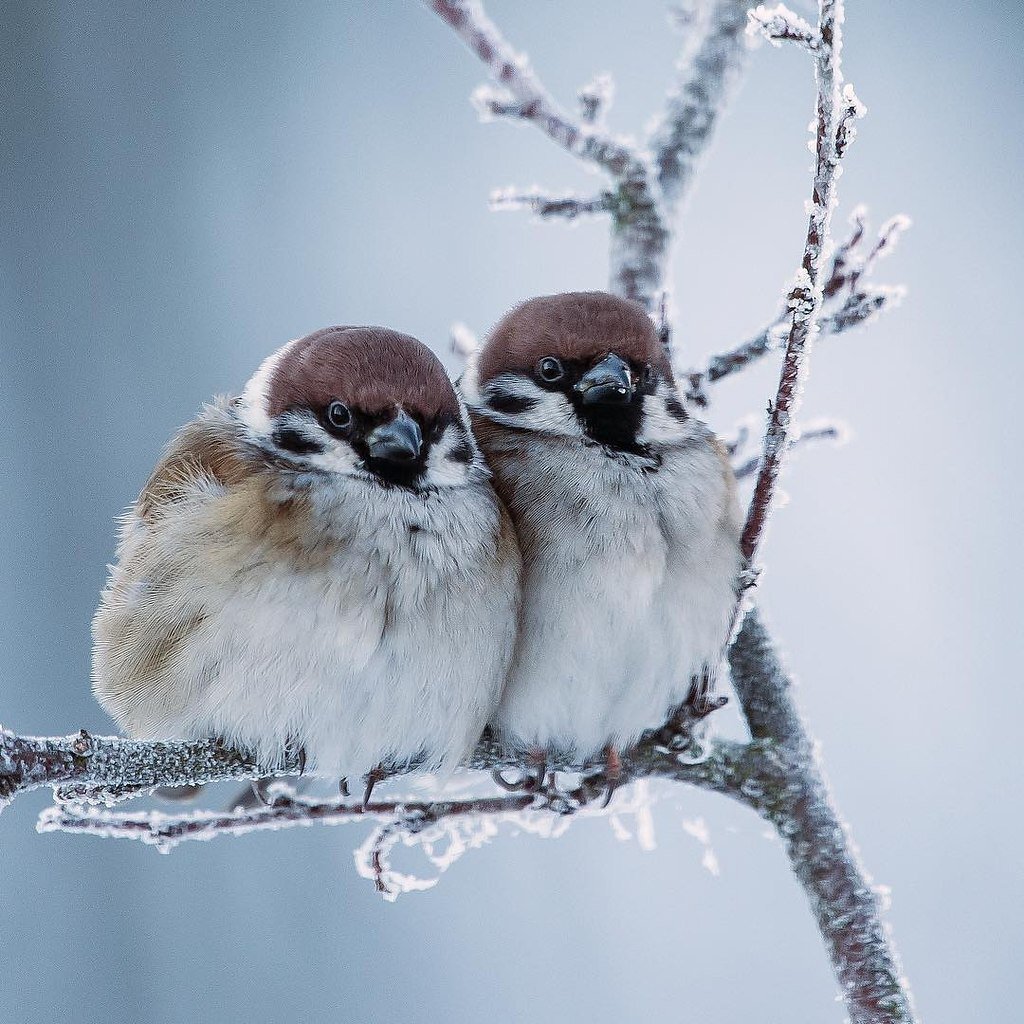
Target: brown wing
149, 615
210, 447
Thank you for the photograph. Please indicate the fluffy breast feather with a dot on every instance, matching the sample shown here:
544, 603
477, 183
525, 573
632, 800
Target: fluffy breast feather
630, 565
366, 625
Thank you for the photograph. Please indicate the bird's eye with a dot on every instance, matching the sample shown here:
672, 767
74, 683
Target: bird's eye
550, 370
337, 415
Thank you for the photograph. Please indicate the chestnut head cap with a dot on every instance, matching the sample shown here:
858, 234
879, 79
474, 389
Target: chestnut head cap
574, 326
372, 369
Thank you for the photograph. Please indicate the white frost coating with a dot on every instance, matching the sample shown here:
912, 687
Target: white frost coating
568, 205
445, 841
698, 828
595, 98
779, 24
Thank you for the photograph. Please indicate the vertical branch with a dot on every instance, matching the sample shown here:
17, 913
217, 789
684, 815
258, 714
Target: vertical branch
818, 843
805, 300
703, 86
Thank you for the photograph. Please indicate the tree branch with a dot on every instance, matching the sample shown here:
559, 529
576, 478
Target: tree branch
568, 206
809, 433
793, 795
705, 78
847, 302
522, 95
777, 773
104, 769
805, 300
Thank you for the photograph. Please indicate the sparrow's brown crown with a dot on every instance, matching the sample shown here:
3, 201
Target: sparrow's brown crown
575, 325
369, 368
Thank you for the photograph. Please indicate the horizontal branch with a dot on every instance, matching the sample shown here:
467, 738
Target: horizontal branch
521, 94
847, 302
108, 768
568, 206
780, 25
810, 433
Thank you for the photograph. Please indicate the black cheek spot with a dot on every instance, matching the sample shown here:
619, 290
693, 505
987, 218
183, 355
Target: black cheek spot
675, 408
511, 403
462, 452
295, 441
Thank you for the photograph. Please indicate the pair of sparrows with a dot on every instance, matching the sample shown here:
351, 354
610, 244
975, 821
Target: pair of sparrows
347, 561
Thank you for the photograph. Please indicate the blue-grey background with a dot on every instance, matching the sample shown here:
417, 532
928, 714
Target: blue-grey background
185, 186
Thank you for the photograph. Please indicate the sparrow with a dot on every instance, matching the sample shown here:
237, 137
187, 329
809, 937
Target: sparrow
626, 512
320, 564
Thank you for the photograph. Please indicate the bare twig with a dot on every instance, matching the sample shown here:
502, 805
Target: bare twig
780, 25
568, 206
705, 77
595, 99
847, 302
806, 297
462, 339
520, 93
810, 433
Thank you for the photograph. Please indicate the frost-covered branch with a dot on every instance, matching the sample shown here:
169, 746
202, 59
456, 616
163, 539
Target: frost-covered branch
568, 206
805, 300
777, 773
780, 25
815, 432
847, 301
705, 77
792, 793
518, 93
595, 98
106, 769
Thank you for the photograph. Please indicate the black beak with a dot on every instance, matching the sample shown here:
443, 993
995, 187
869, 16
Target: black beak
399, 441
608, 382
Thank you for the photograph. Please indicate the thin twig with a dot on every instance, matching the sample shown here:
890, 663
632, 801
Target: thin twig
568, 206
847, 302
522, 95
807, 295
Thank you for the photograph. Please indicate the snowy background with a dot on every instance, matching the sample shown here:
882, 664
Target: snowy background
186, 186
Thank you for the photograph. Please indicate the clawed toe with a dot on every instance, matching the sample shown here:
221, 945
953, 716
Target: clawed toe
612, 773
372, 778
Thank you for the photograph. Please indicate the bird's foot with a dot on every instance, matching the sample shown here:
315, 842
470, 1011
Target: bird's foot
612, 773
530, 781
372, 778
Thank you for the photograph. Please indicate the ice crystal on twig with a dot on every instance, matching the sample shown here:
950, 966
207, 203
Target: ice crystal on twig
595, 99
779, 24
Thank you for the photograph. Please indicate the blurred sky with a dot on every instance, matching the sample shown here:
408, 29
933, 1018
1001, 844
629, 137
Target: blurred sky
186, 186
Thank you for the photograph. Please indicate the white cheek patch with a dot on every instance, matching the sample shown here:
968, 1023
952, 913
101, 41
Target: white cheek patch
664, 421
337, 457
252, 407
453, 459
517, 401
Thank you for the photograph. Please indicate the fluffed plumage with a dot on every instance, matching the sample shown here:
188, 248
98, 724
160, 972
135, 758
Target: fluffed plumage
319, 563
627, 519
